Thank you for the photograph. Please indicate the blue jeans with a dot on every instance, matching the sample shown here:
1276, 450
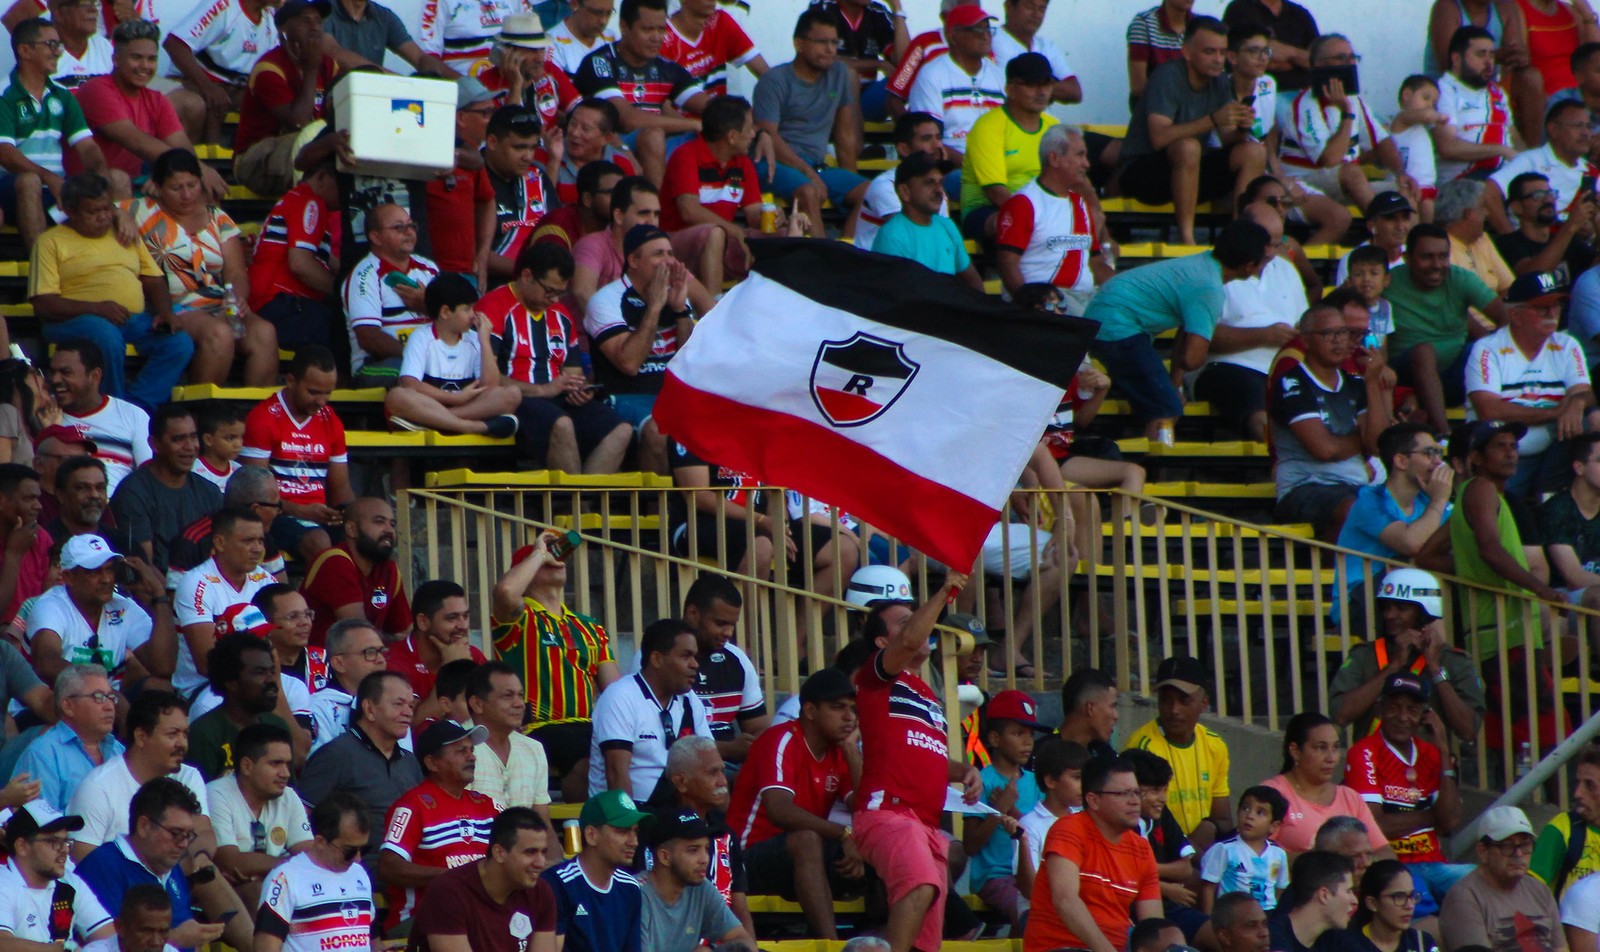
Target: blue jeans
1433, 880
166, 354
875, 101
839, 182
1139, 376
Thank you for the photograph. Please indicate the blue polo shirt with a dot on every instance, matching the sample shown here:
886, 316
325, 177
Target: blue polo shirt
113, 868
59, 761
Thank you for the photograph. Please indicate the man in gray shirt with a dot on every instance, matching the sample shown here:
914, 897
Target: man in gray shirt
366, 30
1325, 422
804, 103
157, 501
1188, 139
682, 906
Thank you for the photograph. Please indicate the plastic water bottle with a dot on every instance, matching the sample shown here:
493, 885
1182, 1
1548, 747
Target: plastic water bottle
1524, 760
1108, 254
230, 311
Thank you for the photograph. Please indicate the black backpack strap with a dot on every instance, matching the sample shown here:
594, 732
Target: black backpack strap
1577, 833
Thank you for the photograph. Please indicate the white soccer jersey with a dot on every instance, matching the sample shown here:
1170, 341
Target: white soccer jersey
202, 594
447, 366
1053, 233
1416, 151
1498, 366
318, 910
121, 435
122, 627
567, 51
943, 88
225, 40
369, 301
1308, 123
25, 912
71, 71
1007, 48
1564, 179
1481, 116
461, 32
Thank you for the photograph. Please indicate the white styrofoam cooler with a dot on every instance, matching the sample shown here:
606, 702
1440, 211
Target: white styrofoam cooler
400, 126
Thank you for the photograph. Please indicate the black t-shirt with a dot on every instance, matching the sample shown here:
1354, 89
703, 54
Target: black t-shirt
1283, 939
872, 37
1561, 523
1166, 837
734, 485
1517, 247
1411, 940
604, 74
720, 683
1295, 26
619, 308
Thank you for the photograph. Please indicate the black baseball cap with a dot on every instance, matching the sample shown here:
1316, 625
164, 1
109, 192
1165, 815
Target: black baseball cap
1538, 287
1182, 672
640, 235
678, 824
1406, 683
444, 732
38, 816
1481, 432
1388, 203
919, 163
828, 684
1029, 69
298, 8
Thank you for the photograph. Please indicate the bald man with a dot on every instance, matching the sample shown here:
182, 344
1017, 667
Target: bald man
1258, 318
358, 578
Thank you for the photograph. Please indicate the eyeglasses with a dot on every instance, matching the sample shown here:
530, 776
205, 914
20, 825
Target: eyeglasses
1404, 898
1431, 452
54, 45
371, 654
99, 697
1342, 333
1350, 60
1515, 847
1119, 794
403, 226
1263, 52
350, 852
1538, 194
979, 29
57, 843
296, 617
180, 838
479, 110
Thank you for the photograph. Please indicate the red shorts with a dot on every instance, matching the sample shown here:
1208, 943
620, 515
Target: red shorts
906, 853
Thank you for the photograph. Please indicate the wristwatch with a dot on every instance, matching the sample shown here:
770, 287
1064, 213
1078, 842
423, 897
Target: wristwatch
849, 831
1441, 677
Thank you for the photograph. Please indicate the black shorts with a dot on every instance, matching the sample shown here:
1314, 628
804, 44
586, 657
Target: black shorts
1453, 379
591, 422
565, 744
706, 526
769, 869
1149, 177
1234, 392
1316, 503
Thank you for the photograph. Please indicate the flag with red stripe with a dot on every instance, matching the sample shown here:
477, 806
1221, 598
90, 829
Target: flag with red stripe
876, 385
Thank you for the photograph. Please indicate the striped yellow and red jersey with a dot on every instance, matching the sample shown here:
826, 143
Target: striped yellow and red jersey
559, 655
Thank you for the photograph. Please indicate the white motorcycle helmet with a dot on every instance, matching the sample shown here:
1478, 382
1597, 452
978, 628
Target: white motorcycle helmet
877, 583
1415, 586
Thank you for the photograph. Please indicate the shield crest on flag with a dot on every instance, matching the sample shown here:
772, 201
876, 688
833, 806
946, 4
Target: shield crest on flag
854, 381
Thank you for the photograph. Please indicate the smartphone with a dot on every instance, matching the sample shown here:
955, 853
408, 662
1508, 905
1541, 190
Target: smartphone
598, 389
1586, 184
1249, 100
1345, 74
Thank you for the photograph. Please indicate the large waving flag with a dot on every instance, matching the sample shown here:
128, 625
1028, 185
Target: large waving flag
874, 384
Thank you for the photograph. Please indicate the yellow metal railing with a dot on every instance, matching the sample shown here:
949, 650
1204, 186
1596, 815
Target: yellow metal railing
1251, 600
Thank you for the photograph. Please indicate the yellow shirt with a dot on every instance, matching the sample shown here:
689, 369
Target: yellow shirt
999, 152
90, 269
1199, 771
1483, 259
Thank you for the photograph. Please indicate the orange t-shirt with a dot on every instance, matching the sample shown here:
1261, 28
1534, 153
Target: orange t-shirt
1111, 878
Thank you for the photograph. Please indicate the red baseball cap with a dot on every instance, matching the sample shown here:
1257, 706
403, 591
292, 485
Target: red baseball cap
968, 14
1013, 706
66, 434
243, 619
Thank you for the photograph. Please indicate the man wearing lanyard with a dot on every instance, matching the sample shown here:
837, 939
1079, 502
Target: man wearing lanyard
638, 718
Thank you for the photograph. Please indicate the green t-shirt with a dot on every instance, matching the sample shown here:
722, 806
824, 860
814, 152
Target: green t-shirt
1551, 849
1437, 317
937, 246
1158, 297
41, 128
211, 738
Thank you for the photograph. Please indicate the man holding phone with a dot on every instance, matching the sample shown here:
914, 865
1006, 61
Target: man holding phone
535, 338
1563, 160
1189, 139
1330, 133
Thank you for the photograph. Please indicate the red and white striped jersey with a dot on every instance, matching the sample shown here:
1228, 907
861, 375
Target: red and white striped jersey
297, 451
1481, 116
317, 910
1308, 123
533, 348
1053, 233
430, 827
707, 57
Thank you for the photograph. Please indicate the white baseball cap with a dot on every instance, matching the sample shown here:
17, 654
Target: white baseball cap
86, 552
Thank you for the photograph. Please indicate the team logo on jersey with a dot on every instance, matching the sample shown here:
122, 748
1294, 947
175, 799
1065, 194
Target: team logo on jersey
380, 599
854, 381
54, 106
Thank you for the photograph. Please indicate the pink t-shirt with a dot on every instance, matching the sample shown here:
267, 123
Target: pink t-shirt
152, 113
598, 252
1305, 818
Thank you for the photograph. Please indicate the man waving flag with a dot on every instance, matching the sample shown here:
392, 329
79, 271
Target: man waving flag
873, 384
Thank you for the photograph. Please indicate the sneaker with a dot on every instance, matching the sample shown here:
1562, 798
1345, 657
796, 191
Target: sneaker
502, 427
400, 423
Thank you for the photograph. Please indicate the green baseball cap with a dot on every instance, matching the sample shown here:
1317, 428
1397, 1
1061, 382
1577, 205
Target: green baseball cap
613, 808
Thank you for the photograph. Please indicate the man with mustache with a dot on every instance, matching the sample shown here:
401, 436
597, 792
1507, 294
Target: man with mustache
358, 577
1542, 240
244, 672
